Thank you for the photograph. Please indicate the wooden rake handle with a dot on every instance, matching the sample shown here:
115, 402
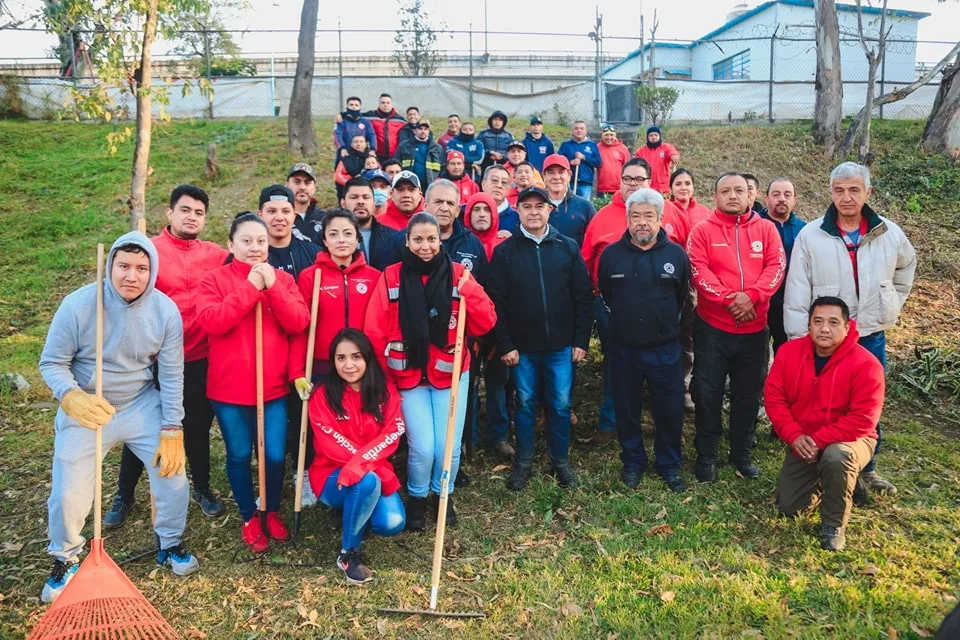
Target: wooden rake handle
304, 416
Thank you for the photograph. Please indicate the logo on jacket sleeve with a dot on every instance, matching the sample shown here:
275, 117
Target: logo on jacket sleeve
756, 246
466, 262
668, 267
361, 288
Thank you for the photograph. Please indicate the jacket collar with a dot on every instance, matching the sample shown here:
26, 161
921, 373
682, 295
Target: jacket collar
729, 220
325, 261
240, 268
829, 223
551, 235
179, 243
849, 344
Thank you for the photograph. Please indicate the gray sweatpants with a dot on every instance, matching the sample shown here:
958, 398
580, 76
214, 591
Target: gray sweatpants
137, 425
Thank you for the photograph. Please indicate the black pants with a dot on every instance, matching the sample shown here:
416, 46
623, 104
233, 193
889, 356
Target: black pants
775, 322
197, 420
744, 358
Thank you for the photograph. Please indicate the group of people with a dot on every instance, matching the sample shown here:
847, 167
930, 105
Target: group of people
381, 138
685, 299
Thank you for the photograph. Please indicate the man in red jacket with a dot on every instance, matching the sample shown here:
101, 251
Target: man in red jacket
737, 264
406, 199
614, 154
184, 259
824, 397
387, 124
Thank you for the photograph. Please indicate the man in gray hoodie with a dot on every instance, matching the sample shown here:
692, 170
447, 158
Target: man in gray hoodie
142, 403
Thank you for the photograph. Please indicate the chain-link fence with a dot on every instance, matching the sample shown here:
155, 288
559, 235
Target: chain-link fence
561, 77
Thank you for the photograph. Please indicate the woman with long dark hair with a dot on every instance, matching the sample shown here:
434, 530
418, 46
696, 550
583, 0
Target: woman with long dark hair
357, 425
681, 193
226, 310
412, 323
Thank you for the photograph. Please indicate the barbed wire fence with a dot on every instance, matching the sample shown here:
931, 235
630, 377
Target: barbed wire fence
560, 77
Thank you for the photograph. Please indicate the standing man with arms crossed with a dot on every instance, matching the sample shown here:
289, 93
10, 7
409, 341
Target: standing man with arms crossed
737, 264
185, 259
861, 257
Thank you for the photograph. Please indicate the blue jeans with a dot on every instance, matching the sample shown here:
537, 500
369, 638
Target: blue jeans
661, 368
425, 409
554, 371
497, 376
584, 190
608, 418
238, 424
363, 505
876, 343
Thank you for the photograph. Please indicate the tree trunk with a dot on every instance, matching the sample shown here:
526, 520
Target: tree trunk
302, 137
863, 152
828, 109
141, 151
942, 133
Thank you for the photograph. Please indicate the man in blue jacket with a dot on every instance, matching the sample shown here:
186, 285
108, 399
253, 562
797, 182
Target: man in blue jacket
544, 299
781, 199
584, 157
644, 279
571, 213
495, 139
538, 145
472, 149
351, 124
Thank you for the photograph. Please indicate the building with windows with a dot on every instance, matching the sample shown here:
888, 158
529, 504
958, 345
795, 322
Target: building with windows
774, 41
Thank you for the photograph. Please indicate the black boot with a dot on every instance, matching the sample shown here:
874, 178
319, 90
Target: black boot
416, 514
519, 477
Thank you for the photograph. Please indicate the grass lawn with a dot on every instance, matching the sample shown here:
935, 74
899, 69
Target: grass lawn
598, 562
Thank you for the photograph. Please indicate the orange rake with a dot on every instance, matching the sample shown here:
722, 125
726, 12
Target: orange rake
100, 601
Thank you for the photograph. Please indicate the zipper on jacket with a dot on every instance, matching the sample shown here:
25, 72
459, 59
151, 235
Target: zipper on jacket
346, 302
543, 293
739, 262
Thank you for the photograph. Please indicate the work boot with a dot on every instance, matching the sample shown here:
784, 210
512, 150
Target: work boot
503, 449
876, 482
675, 481
706, 471
354, 570
746, 468
462, 480
860, 497
565, 476
416, 514
519, 477
832, 538
118, 512
602, 437
631, 477
451, 512
210, 504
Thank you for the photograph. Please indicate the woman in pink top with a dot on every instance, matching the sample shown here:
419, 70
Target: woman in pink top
681, 192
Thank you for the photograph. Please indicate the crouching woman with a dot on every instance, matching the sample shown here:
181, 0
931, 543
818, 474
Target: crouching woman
357, 425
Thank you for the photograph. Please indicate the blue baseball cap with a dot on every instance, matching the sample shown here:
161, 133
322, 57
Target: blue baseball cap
376, 174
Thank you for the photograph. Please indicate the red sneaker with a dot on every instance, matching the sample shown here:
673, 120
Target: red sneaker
276, 529
253, 534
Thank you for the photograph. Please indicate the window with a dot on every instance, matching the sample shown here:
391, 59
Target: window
736, 67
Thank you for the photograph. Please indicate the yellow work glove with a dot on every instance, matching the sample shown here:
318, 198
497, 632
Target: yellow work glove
304, 388
88, 410
170, 455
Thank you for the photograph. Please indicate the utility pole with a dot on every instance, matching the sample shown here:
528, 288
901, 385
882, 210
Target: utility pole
596, 35
486, 43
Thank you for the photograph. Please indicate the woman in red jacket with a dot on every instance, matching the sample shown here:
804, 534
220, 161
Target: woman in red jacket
357, 425
412, 323
226, 310
681, 193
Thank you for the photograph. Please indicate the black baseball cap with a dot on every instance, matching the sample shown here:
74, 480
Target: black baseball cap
536, 120
530, 192
516, 143
276, 192
302, 167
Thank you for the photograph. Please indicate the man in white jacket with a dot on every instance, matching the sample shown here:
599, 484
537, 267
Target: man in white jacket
859, 256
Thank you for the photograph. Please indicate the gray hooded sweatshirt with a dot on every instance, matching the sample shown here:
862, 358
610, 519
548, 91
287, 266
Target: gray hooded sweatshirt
137, 336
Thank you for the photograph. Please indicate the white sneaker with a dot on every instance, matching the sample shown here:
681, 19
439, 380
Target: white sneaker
180, 561
307, 497
60, 575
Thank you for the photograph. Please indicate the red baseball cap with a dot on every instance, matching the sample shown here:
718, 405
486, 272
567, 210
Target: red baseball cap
453, 153
555, 160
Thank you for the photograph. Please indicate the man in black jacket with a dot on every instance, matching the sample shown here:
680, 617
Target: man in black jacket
302, 181
287, 252
544, 298
644, 280
358, 198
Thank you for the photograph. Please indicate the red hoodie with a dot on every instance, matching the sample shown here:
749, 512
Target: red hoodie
731, 253
466, 185
613, 157
355, 442
842, 404
183, 264
488, 238
226, 310
396, 219
609, 224
382, 326
344, 295
695, 212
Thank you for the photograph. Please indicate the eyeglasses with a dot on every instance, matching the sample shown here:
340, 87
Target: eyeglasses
631, 180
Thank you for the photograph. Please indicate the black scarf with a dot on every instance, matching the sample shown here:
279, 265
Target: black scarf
465, 137
425, 310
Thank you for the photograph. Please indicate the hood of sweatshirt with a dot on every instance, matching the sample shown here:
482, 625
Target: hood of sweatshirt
111, 296
496, 114
487, 238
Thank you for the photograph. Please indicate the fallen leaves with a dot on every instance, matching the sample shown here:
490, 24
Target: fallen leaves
869, 570
12, 547
571, 609
500, 467
920, 631
668, 596
660, 530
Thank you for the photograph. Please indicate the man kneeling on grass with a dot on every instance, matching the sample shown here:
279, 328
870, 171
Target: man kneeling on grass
824, 397
143, 338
